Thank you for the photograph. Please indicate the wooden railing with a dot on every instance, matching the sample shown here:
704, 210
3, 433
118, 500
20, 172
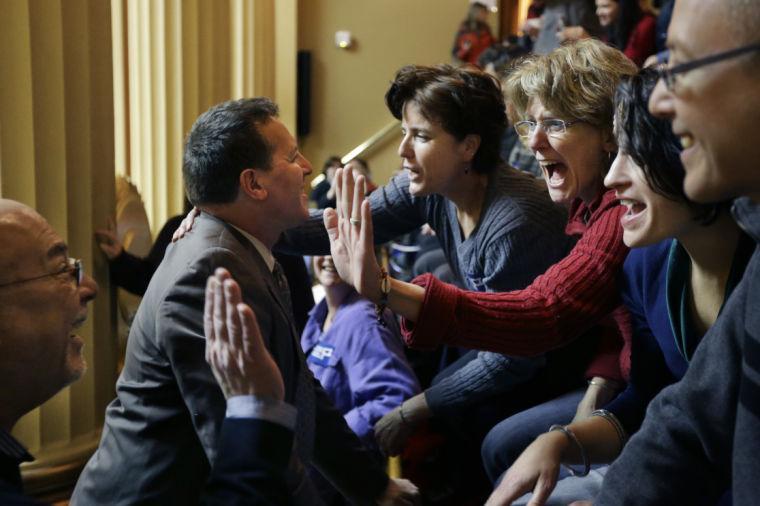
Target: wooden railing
372, 142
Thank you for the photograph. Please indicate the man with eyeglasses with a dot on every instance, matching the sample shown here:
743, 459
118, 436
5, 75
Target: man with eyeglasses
701, 437
43, 301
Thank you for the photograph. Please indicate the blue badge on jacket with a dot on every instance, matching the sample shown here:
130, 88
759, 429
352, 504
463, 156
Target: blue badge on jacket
321, 354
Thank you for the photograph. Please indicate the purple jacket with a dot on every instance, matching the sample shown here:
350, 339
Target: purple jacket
360, 363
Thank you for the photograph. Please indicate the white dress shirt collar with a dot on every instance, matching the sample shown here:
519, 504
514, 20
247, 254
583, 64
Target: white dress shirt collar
260, 247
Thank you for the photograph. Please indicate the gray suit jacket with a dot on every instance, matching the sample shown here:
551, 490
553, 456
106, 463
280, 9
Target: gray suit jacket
161, 431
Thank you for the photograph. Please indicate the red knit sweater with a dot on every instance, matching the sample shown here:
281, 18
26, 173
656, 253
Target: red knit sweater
561, 304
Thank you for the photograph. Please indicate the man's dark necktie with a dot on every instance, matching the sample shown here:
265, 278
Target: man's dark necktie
304, 397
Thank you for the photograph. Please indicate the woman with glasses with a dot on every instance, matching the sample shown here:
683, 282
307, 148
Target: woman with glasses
673, 287
563, 108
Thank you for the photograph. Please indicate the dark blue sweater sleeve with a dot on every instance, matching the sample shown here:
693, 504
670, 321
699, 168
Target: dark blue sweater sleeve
394, 212
649, 375
649, 371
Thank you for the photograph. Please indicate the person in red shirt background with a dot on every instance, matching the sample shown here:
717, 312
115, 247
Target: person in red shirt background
474, 35
627, 26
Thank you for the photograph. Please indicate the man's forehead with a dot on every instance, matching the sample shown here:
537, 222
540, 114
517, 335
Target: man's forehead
278, 136
704, 17
29, 239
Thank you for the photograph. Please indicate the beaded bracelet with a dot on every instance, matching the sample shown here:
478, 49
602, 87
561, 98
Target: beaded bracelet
584, 456
612, 419
385, 289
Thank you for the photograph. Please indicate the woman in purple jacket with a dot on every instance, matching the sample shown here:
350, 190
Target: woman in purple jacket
359, 361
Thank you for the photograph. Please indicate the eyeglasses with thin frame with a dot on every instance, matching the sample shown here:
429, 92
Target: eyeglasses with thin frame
73, 266
553, 127
670, 74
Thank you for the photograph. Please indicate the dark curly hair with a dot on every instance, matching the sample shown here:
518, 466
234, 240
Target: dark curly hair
650, 142
462, 100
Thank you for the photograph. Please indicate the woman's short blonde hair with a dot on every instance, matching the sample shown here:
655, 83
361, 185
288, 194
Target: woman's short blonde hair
575, 81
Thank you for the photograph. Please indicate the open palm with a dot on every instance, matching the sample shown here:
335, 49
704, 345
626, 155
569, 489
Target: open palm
349, 227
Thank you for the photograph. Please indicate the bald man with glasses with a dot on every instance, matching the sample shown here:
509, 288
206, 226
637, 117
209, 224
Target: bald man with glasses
44, 296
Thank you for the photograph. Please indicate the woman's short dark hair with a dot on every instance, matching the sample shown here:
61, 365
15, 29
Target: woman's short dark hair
223, 142
462, 100
650, 142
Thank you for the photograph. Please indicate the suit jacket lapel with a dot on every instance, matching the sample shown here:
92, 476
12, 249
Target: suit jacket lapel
267, 277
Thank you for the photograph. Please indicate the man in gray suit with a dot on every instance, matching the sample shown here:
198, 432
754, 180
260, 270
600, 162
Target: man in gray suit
243, 170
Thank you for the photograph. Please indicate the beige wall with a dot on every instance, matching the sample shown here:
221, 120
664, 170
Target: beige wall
348, 86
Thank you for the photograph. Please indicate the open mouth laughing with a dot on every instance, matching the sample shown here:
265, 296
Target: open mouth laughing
635, 210
555, 172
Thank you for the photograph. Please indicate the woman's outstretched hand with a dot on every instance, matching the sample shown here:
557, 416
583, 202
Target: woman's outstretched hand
349, 227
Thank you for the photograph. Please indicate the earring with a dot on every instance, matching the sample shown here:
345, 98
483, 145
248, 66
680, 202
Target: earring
467, 170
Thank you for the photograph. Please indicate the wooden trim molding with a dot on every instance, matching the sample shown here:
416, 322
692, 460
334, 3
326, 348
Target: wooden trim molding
54, 472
